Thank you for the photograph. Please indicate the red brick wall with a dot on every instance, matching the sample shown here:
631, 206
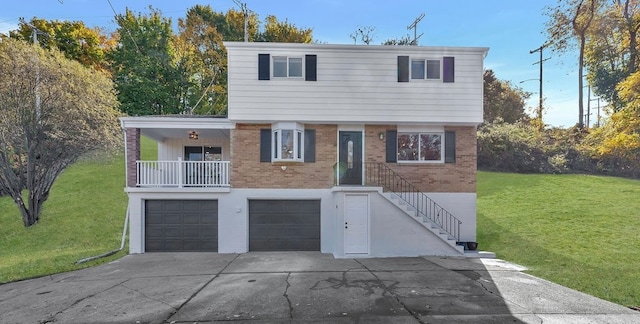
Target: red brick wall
248, 172
133, 154
431, 177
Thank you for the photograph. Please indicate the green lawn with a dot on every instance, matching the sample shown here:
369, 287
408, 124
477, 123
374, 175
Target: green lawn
83, 217
576, 230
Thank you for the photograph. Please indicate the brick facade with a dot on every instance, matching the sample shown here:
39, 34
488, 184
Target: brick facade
248, 172
133, 154
435, 177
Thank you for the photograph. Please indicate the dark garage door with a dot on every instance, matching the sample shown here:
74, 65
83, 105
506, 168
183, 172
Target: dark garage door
181, 225
284, 225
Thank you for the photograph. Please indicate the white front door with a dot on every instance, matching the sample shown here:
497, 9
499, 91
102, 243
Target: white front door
356, 223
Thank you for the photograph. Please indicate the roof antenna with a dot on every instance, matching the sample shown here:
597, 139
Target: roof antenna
414, 25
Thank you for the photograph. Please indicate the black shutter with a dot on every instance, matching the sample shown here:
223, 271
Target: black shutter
392, 146
264, 62
448, 69
265, 145
449, 147
309, 145
403, 69
310, 62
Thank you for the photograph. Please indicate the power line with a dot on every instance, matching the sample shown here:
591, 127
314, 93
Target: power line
123, 26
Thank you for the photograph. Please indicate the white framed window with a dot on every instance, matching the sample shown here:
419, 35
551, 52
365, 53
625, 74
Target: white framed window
420, 147
287, 67
425, 69
287, 142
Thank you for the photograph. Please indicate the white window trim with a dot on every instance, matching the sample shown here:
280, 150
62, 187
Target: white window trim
298, 141
425, 59
421, 132
288, 57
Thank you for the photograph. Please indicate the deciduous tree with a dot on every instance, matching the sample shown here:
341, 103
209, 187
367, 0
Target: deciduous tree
52, 111
502, 100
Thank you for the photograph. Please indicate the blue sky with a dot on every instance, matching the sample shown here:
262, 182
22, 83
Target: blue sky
510, 28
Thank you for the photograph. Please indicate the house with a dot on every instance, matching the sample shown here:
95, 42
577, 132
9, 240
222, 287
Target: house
353, 150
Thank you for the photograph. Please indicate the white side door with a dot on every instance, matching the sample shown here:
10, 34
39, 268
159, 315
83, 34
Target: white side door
356, 223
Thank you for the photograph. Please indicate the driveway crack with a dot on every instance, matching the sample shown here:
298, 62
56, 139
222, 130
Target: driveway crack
386, 289
286, 295
171, 314
52, 318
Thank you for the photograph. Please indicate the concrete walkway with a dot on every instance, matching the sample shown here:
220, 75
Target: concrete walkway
300, 288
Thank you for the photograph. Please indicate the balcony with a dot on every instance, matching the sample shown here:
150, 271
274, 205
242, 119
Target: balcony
179, 174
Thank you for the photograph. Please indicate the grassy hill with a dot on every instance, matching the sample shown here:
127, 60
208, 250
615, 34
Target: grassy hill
579, 231
576, 230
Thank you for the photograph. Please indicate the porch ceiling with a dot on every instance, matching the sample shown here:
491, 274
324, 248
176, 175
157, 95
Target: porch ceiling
160, 134
160, 128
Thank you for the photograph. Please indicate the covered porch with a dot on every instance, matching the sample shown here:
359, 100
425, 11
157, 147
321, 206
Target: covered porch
192, 151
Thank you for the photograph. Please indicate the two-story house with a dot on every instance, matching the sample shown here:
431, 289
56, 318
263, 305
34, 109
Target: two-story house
345, 149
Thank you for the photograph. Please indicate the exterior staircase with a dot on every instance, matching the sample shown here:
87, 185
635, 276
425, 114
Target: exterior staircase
416, 204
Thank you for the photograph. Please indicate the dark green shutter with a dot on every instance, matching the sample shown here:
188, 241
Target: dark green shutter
450, 147
403, 69
310, 62
448, 69
392, 146
264, 62
265, 145
309, 145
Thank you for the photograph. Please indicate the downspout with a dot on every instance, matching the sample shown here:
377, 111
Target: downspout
122, 242
126, 219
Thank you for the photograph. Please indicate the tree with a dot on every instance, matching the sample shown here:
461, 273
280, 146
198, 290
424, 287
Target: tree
502, 100
284, 32
52, 111
611, 52
78, 42
365, 34
145, 72
405, 41
570, 21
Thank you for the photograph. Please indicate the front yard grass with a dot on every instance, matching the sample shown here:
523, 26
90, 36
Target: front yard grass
579, 231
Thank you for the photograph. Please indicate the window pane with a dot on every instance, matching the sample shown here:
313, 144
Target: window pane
430, 147
407, 147
433, 69
299, 146
287, 144
350, 155
417, 69
275, 144
295, 67
280, 66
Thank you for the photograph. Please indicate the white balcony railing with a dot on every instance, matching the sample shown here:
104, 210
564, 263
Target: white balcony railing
182, 173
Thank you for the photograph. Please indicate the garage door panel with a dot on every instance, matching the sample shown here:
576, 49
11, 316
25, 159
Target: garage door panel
174, 225
284, 225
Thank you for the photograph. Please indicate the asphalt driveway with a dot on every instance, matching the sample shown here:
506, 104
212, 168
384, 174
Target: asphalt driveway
296, 287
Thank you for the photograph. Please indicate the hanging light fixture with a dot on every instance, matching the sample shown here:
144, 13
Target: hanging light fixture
193, 135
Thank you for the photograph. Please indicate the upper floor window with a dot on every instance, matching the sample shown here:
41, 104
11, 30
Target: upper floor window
425, 69
284, 67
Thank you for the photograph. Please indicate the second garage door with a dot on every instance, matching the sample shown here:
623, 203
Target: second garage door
284, 225
181, 225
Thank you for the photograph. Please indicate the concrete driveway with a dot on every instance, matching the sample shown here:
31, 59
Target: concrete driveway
300, 288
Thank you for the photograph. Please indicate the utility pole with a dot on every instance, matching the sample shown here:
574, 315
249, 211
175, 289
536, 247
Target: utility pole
245, 13
414, 26
539, 49
34, 35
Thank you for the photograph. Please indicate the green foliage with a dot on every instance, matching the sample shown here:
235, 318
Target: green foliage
574, 230
144, 68
52, 111
284, 32
76, 41
502, 100
83, 217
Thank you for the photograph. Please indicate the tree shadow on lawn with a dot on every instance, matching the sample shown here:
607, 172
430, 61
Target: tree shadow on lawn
609, 283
